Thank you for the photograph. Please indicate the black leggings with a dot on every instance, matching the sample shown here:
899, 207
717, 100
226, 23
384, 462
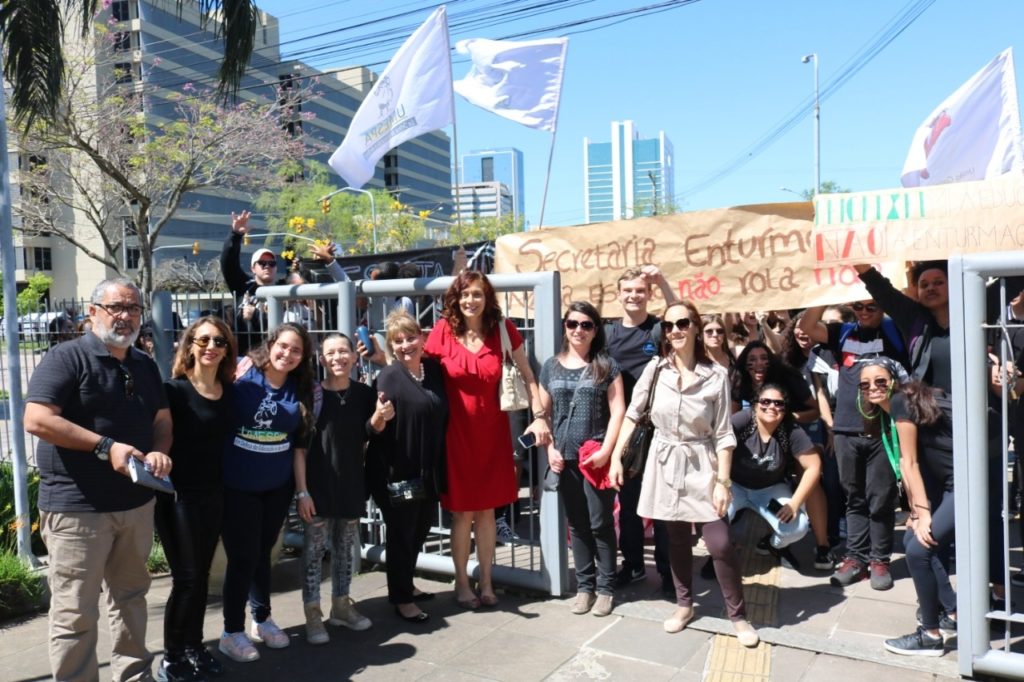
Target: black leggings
189, 528
252, 521
931, 581
407, 528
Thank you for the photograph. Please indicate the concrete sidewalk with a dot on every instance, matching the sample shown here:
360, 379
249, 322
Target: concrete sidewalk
810, 631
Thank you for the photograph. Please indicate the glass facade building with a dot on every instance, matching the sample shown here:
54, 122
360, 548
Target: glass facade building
497, 165
628, 176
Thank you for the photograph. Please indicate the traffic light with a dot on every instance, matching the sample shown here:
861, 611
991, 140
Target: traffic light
195, 248
325, 206
246, 240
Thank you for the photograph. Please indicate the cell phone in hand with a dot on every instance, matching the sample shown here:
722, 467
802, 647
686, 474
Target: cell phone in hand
364, 336
528, 440
774, 506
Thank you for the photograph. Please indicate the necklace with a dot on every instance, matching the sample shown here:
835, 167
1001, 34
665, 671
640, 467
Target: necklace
417, 378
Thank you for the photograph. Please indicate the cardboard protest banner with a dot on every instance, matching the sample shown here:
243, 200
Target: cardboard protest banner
732, 259
920, 223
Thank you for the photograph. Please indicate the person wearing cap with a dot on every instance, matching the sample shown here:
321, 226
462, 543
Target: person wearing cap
251, 319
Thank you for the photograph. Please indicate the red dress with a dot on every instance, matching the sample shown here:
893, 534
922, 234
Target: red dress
481, 473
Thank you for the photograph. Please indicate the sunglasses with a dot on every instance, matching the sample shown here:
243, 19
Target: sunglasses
870, 307
771, 402
267, 263
585, 325
129, 383
682, 324
880, 383
713, 331
204, 341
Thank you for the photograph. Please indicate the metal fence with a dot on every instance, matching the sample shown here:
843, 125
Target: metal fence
988, 637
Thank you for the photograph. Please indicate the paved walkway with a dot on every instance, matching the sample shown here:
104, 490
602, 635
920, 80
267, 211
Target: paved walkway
810, 631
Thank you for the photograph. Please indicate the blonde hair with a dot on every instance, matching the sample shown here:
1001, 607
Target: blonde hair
400, 322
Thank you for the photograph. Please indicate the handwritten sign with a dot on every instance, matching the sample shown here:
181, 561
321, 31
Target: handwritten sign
733, 259
920, 223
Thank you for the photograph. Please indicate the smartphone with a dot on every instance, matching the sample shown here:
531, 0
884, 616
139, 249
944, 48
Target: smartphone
528, 440
774, 506
364, 336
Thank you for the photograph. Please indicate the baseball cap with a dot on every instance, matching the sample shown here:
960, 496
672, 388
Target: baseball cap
259, 254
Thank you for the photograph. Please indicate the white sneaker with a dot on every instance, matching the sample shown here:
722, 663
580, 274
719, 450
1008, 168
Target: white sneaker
504, 534
237, 647
268, 633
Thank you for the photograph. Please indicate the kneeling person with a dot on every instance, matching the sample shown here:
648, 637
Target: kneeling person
767, 441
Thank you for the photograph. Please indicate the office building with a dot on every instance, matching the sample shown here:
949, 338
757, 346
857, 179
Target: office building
157, 51
628, 176
482, 200
504, 166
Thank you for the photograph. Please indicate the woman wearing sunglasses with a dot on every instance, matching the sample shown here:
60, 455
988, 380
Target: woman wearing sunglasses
716, 342
581, 388
917, 434
199, 396
686, 481
767, 442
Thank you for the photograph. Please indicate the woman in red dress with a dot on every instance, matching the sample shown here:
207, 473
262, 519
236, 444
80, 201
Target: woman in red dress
481, 472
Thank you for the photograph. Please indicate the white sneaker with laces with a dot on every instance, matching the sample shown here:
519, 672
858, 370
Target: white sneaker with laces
237, 647
268, 633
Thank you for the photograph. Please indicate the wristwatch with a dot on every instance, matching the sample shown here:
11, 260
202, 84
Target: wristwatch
300, 494
727, 482
102, 449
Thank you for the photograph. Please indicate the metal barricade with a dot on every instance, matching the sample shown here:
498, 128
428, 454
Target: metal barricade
985, 635
539, 560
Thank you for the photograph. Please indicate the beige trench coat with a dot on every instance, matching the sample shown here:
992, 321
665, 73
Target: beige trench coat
691, 427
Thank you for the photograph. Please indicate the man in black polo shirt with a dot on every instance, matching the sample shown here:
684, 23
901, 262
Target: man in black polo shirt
94, 403
865, 472
633, 341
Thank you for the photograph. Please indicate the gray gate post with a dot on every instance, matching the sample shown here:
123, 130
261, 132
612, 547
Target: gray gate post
163, 332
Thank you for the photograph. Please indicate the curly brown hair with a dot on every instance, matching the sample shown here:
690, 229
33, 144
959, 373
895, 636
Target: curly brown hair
185, 361
492, 311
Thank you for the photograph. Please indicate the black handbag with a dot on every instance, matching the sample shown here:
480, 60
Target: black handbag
407, 491
634, 454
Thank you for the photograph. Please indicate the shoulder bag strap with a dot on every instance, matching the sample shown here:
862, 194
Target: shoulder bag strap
650, 392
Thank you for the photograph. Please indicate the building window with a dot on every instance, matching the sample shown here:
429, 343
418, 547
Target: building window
391, 180
487, 169
42, 257
122, 41
132, 256
123, 72
119, 10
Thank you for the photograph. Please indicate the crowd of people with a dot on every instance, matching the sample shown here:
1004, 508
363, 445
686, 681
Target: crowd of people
811, 423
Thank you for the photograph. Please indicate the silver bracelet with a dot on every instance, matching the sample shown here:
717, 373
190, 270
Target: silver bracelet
300, 494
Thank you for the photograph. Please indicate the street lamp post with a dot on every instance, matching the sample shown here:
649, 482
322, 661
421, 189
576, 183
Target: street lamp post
817, 122
654, 185
373, 207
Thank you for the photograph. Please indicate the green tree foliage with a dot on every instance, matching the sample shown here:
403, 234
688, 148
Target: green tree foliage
827, 187
33, 33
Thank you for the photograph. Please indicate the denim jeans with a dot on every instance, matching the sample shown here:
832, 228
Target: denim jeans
783, 534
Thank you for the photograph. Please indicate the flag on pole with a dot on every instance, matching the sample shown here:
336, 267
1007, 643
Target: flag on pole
973, 135
413, 96
521, 81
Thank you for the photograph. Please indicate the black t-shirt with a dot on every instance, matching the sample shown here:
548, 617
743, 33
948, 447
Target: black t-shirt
934, 444
756, 464
334, 462
632, 348
940, 370
574, 391
413, 443
90, 387
201, 427
860, 344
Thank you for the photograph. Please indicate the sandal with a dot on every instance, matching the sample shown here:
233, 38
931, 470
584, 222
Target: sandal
488, 600
471, 604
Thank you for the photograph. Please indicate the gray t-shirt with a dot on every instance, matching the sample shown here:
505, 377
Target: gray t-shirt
579, 407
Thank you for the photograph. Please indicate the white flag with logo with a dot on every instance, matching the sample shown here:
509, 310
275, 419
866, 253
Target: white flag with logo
521, 81
973, 135
413, 96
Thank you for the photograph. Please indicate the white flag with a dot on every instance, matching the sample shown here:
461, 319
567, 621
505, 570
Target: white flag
413, 96
521, 81
973, 135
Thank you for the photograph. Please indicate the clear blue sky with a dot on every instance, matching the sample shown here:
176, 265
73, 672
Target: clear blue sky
715, 75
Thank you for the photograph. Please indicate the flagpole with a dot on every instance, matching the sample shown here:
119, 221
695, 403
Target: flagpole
554, 131
455, 139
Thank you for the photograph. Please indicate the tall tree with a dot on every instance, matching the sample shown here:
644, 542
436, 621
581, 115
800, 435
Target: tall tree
105, 169
33, 43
